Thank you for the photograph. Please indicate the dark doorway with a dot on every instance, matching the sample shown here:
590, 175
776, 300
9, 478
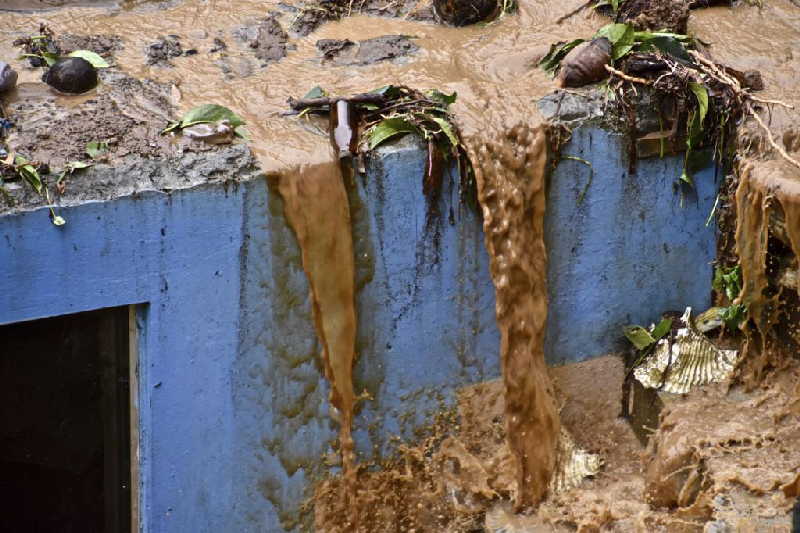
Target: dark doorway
65, 424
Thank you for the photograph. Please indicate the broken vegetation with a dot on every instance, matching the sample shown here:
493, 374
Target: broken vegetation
392, 111
700, 102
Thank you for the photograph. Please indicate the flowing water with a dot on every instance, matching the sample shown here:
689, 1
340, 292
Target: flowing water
492, 68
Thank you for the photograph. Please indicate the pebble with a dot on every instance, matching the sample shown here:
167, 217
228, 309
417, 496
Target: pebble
8, 77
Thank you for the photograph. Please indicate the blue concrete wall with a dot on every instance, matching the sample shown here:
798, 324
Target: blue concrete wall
628, 251
233, 412
233, 408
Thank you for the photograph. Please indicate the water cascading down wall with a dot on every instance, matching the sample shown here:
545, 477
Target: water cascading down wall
233, 415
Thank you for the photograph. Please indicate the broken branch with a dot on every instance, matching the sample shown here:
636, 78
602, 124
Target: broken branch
625, 77
307, 103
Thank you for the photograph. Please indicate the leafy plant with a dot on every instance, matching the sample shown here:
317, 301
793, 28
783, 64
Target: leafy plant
642, 338
27, 171
207, 114
96, 60
69, 168
50, 58
728, 281
96, 149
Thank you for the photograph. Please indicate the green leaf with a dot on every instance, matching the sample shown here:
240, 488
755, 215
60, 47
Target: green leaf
439, 96
95, 59
171, 127
77, 165
210, 113
48, 57
613, 32
387, 91
728, 281
667, 44
734, 315
58, 220
242, 133
447, 128
550, 62
95, 149
388, 128
623, 46
29, 173
701, 94
638, 336
661, 329
316, 92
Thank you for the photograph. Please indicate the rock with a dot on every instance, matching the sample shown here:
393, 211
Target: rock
330, 48
267, 38
385, 47
654, 15
585, 63
465, 12
73, 75
367, 52
8, 77
164, 49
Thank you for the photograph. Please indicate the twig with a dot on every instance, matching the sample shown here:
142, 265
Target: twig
778, 148
625, 77
305, 103
575, 11
765, 101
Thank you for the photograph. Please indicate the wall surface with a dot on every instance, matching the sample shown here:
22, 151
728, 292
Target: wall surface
233, 409
623, 246
234, 419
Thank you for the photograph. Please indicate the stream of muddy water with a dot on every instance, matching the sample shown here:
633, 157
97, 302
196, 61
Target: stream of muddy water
492, 68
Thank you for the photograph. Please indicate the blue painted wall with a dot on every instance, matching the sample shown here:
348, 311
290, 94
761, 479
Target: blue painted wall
233, 412
628, 251
233, 409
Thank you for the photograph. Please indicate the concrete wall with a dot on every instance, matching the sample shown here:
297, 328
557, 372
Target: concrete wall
233, 414
233, 409
623, 247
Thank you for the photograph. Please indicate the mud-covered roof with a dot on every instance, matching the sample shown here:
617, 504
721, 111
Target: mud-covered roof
128, 115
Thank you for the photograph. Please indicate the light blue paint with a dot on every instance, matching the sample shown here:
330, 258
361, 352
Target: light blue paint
233, 409
628, 251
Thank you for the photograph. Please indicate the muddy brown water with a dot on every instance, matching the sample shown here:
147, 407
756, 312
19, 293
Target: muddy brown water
492, 68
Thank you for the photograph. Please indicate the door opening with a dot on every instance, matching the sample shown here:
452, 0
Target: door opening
65, 436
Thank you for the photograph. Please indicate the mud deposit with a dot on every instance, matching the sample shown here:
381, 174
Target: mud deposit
512, 456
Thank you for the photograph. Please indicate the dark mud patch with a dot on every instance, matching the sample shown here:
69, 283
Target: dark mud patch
311, 15
266, 38
367, 52
104, 45
655, 15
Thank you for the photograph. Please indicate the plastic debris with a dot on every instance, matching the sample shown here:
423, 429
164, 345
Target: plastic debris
686, 360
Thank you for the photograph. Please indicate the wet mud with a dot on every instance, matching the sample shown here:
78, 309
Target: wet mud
768, 246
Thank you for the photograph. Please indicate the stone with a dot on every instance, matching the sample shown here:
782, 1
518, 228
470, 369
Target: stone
8, 78
73, 75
